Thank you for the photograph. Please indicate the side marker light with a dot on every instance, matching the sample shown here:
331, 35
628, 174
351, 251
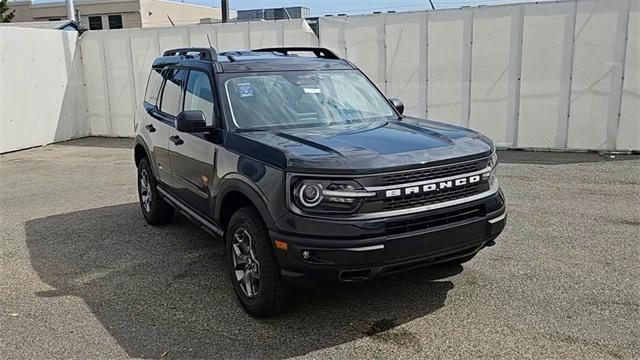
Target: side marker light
281, 245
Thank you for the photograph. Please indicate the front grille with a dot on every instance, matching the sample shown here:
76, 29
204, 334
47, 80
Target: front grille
422, 199
431, 221
416, 178
433, 173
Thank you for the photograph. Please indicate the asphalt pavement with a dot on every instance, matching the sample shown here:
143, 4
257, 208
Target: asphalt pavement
83, 276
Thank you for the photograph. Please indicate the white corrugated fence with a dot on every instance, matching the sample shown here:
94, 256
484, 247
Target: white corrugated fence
117, 63
561, 75
41, 93
537, 75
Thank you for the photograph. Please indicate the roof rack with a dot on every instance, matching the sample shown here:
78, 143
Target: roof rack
232, 55
205, 53
317, 51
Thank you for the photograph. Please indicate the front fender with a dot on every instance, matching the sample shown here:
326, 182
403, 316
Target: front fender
140, 141
244, 185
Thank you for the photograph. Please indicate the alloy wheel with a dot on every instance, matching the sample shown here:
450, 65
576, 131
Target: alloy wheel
145, 190
246, 266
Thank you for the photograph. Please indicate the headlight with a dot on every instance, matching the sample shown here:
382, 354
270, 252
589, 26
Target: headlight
492, 164
310, 194
318, 195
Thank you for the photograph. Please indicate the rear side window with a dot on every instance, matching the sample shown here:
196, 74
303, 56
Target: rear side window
172, 91
199, 95
153, 87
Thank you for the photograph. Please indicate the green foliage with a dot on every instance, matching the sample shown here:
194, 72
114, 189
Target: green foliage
6, 15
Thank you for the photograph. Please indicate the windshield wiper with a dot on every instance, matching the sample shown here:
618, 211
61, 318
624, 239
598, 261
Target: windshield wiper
254, 129
279, 127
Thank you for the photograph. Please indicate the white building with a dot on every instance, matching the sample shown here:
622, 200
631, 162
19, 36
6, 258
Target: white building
118, 14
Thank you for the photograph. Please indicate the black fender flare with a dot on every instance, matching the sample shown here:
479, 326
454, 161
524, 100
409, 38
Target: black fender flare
140, 141
244, 185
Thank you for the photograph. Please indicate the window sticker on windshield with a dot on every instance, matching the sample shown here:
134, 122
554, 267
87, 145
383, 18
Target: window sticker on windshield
245, 89
312, 91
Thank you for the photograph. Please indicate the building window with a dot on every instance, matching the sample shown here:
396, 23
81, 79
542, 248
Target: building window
115, 21
55, 19
95, 22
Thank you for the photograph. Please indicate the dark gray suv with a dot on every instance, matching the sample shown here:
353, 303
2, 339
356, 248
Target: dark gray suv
307, 171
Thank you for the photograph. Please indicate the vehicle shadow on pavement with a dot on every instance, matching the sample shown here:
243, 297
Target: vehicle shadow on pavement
101, 142
166, 289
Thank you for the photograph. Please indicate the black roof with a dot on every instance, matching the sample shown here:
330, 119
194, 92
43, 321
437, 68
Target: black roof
268, 59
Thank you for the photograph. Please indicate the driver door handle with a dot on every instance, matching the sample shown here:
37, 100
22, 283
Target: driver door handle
176, 140
150, 128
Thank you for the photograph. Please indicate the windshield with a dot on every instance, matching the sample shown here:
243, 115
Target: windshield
303, 98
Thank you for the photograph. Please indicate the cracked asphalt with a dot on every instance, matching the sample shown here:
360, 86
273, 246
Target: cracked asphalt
83, 276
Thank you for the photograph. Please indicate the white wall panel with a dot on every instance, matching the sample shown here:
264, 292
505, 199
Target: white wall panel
406, 54
331, 34
144, 49
48, 105
72, 122
278, 33
173, 38
233, 36
494, 72
265, 34
546, 72
96, 82
365, 40
298, 33
597, 72
629, 126
448, 59
121, 84
203, 36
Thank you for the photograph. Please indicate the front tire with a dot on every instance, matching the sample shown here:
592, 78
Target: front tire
155, 210
253, 266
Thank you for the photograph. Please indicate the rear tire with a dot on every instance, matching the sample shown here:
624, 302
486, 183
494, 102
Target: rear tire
253, 266
155, 210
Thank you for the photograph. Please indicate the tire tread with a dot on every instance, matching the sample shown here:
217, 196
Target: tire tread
276, 291
161, 211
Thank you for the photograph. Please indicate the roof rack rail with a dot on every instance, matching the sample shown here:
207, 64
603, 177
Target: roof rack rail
205, 53
317, 51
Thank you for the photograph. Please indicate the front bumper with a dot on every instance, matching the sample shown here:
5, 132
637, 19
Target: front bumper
364, 249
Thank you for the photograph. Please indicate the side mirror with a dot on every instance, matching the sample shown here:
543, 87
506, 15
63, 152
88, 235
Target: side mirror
191, 121
397, 104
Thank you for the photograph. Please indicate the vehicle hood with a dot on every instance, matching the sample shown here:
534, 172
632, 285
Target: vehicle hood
365, 147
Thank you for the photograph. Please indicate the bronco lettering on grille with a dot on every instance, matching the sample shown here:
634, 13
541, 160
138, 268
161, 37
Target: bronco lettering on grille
409, 190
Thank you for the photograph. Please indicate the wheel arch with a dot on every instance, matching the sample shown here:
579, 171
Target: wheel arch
140, 152
238, 192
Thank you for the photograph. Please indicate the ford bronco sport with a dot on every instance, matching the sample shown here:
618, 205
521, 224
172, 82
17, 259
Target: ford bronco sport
307, 171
